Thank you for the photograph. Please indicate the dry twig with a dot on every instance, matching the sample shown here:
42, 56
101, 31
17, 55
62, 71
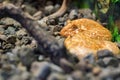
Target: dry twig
58, 13
61, 11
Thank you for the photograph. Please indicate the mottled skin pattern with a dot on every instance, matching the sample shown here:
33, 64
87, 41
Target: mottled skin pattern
86, 36
89, 27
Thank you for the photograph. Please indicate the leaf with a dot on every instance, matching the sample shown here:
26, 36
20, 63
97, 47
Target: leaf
118, 38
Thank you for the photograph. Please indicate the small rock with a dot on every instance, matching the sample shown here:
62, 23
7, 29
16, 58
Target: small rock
73, 14
66, 65
3, 37
13, 59
43, 23
28, 8
84, 66
56, 76
0, 45
11, 39
2, 30
86, 13
23, 75
41, 70
26, 40
10, 30
77, 75
61, 20
104, 53
26, 56
56, 7
41, 58
90, 58
10, 21
101, 63
49, 3
21, 32
110, 74
109, 61
6, 46
51, 22
55, 68
49, 9
96, 71
7, 70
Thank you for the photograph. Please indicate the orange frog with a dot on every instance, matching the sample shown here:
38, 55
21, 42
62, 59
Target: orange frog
86, 36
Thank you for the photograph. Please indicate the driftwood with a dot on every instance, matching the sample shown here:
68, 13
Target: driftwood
58, 13
49, 44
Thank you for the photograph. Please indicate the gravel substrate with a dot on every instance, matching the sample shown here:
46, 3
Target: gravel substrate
22, 59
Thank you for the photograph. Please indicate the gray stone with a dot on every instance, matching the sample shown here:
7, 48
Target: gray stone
104, 53
57, 76
73, 14
41, 70
109, 61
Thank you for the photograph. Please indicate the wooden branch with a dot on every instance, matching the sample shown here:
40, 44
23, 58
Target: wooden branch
61, 11
49, 44
58, 13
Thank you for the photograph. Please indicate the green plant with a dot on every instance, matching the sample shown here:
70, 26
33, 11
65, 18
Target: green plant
114, 30
115, 1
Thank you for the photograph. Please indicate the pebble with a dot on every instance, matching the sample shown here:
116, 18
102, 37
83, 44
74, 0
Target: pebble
51, 21
21, 32
3, 37
96, 71
101, 63
109, 61
104, 53
84, 66
110, 74
61, 20
41, 58
10, 30
41, 70
28, 8
10, 21
77, 75
56, 7
7, 70
12, 58
2, 30
8, 46
56, 68
11, 39
49, 9
26, 56
57, 76
90, 58
24, 75
86, 13
49, 3
66, 65
0, 45
26, 40
73, 14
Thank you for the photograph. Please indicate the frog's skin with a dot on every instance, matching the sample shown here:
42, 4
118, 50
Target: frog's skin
84, 36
